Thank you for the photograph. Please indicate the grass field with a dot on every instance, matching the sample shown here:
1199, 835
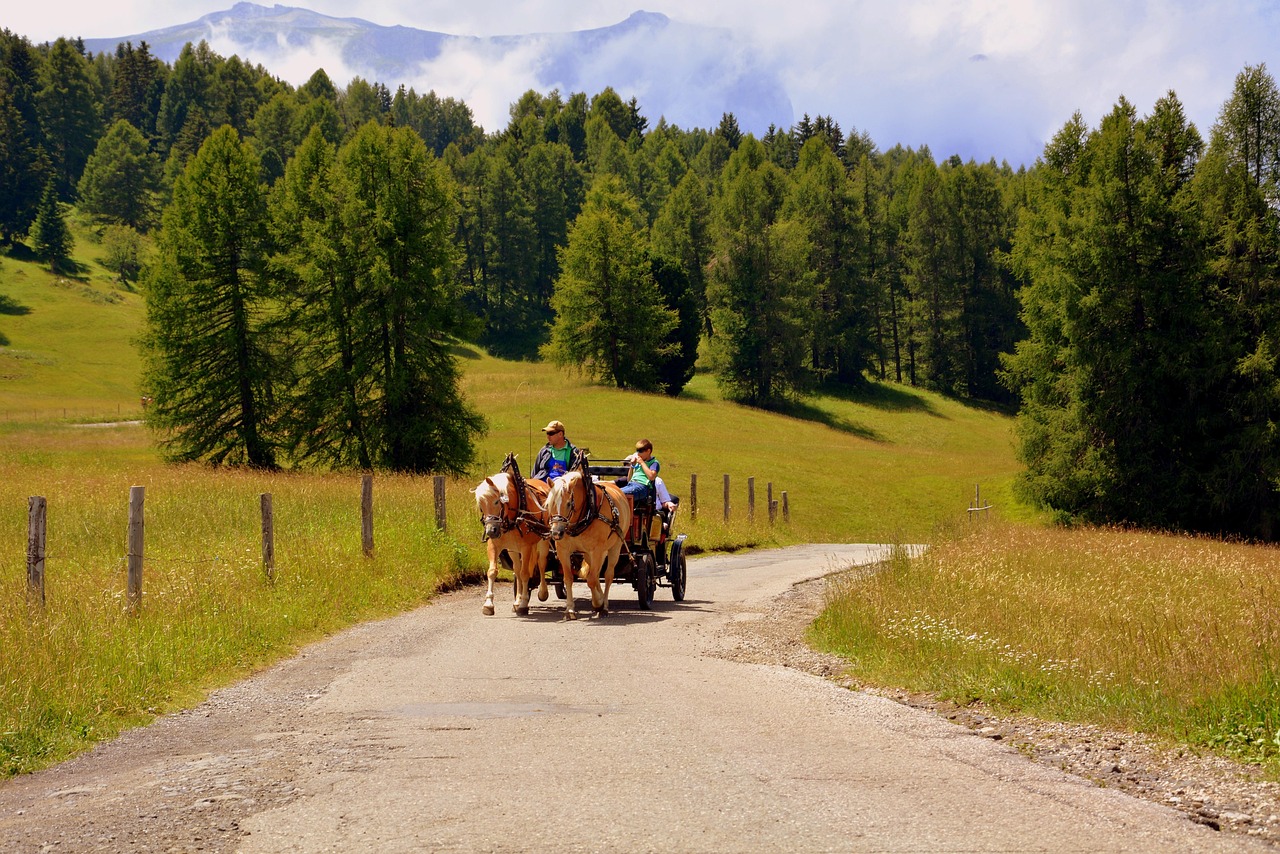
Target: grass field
1160, 633
1174, 636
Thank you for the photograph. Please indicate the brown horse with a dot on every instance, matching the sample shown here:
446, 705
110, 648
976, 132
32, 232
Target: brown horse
592, 526
517, 526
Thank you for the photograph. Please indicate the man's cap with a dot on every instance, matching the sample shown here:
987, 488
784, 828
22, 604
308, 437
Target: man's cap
553, 427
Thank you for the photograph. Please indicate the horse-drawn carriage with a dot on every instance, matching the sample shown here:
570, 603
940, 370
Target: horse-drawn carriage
581, 526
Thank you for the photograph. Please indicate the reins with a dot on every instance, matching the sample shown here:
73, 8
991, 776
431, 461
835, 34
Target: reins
526, 519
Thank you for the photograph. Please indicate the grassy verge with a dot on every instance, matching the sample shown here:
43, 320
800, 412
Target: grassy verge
80, 669
1173, 636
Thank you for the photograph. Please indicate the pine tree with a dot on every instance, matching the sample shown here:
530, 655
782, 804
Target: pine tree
610, 318
121, 179
137, 86
69, 113
24, 165
209, 364
759, 290
50, 237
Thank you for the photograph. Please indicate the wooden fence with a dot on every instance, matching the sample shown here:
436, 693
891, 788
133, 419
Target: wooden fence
773, 507
37, 514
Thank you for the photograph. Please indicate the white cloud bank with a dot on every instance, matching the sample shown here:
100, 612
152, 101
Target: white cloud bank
982, 78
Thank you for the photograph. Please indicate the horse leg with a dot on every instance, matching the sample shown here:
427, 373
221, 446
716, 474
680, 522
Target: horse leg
540, 553
523, 561
493, 577
566, 572
598, 603
614, 554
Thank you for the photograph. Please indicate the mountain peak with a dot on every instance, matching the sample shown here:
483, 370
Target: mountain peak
652, 19
647, 56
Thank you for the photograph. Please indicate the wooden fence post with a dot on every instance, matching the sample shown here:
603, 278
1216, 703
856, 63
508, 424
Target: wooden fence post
786, 508
268, 536
751, 499
726, 498
773, 511
36, 516
366, 514
137, 495
439, 495
693, 497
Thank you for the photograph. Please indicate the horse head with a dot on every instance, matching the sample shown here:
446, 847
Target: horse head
492, 501
561, 503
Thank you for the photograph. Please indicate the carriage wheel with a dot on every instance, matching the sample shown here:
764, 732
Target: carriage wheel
645, 581
560, 591
677, 572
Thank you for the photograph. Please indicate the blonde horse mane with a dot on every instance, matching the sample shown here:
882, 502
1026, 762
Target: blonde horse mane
492, 488
563, 484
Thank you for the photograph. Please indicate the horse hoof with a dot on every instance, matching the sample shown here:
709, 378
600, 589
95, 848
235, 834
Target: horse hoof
488, 610
522, 610
602, 612
570, 615
542, 594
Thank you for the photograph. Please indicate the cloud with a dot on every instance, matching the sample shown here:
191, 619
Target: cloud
486, 77
900, 69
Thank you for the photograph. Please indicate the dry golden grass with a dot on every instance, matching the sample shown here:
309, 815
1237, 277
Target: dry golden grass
81, 668
1171, 635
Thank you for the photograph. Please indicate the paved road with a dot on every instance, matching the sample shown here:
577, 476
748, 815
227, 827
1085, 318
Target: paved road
445, 730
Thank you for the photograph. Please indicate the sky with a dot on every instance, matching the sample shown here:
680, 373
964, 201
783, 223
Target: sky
979, 78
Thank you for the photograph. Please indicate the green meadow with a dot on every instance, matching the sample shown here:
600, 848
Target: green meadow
1120, 628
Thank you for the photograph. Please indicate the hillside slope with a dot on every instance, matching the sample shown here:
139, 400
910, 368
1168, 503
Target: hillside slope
67, 342
887, 464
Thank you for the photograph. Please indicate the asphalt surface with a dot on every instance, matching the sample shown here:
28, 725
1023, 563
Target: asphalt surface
444, 730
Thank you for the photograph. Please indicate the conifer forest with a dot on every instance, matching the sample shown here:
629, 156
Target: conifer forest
309, 255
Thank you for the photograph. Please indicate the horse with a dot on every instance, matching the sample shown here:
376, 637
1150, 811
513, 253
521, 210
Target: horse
591, 523
513, 513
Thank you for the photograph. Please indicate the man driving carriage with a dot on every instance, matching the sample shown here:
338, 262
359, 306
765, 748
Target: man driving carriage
554, 457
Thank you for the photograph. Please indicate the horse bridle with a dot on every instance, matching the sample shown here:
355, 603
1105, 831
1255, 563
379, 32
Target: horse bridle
521, 517
501, 522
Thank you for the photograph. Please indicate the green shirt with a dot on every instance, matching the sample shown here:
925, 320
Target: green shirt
637, 471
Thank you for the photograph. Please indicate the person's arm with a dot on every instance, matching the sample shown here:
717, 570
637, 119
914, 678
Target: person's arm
650, 473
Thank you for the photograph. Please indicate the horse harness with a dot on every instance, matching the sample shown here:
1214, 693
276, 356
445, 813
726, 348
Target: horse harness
592, 511
524, 520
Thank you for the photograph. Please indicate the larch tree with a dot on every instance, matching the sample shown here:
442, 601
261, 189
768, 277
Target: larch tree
760, 290
1237, 185
825, 199
398, 209
327, 413
1124, 349
121, 180
610, 318
209, 363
